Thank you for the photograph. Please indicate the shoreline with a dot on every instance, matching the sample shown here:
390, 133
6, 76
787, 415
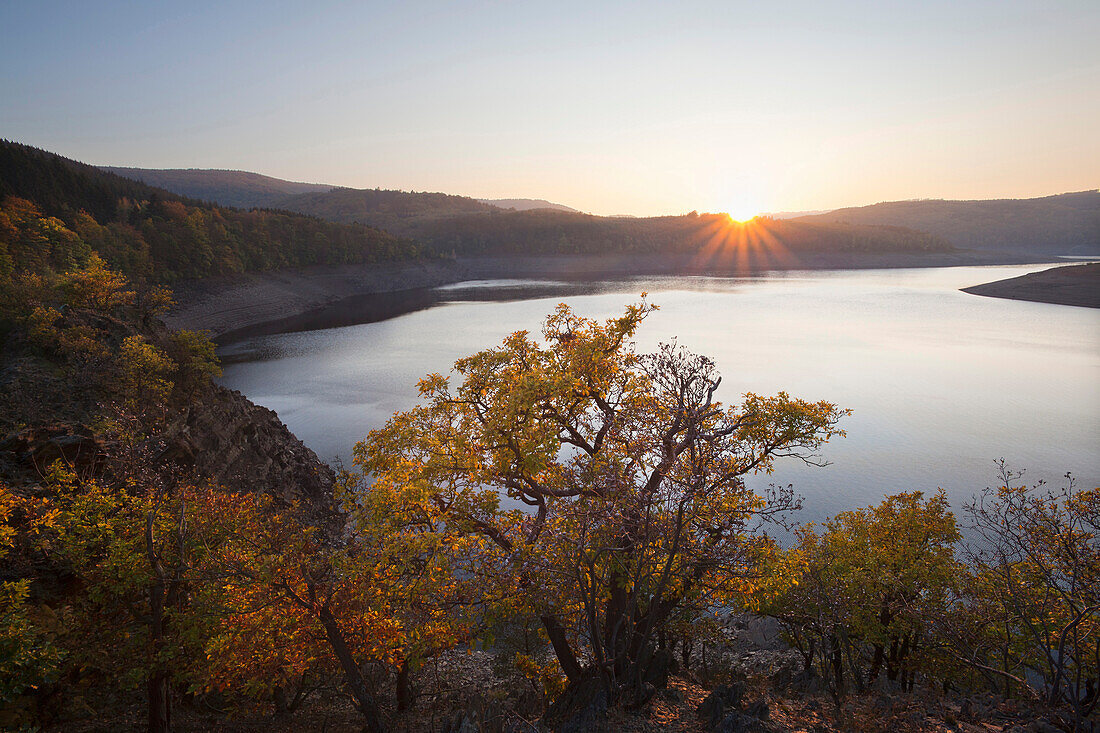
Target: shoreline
1077, 285
272, 302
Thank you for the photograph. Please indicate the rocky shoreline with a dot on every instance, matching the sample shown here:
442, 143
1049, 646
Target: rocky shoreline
1067, 285
238, 306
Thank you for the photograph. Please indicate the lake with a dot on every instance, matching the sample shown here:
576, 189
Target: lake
941, 383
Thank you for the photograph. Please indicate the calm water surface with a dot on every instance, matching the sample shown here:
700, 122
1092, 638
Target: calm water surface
940, 382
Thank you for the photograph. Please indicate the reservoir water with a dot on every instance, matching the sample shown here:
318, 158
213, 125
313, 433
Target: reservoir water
941, 383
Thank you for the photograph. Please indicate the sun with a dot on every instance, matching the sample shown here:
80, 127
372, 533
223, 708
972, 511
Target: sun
743, 211
741, 217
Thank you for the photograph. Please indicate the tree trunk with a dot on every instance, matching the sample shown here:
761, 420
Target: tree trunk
160, 703
282, 707
903, 656
837, 664
566, 657
617, 626
876, 663
357, 686
685, 652
892, 660
404, 689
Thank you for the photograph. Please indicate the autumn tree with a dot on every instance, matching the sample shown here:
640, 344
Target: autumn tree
608, 485
872, 582
1030, 617
29, 658
97, 287
298, 607
134, 549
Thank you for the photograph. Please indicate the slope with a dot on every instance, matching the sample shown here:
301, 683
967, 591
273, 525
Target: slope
241, 189
1064, 224
385, 209
53, 209
527, 204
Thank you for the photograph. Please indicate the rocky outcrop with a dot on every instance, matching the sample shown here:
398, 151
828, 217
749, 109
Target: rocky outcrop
32, 451
226, 438
723, 711
53, 408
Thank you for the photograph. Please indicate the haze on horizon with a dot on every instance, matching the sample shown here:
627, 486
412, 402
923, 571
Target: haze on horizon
612, 108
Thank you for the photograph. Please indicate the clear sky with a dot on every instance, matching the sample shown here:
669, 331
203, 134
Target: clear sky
613, 108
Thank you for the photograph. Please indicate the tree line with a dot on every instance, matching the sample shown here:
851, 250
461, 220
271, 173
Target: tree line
713, 238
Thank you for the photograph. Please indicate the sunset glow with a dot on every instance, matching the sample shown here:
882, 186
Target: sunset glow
954, 100
741, 217
741, 246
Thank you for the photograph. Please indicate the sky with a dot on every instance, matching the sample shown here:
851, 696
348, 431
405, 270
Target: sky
613, 108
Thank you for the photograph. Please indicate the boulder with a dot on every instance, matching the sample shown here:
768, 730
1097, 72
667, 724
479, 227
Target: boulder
660, 667
715, 708
582, 708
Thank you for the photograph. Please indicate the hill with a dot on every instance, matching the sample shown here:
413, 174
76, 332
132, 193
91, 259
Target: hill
1048, 226
385, 209
709, 236
527, 204
463, 226
241, 189
247, 190
55, 212
1052, 225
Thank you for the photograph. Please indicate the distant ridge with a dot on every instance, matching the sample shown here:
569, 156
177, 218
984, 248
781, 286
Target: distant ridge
1065, 224
241, 189
1039, 227
528, 204
247, 190
56, 211
794, 214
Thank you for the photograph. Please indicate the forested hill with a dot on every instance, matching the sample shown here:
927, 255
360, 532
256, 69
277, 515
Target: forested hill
250, 190
712, 237
462, 225
54, 212
527, 204
1065, 224
385, 209
230, 188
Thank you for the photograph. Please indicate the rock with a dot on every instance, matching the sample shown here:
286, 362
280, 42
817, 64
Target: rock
462, 722
635, 698
759, 709
672, 695
1042, 725
34, 450
806, 681
660, 667
715, 708
738, 722
582, 708
245, 447
204, 431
